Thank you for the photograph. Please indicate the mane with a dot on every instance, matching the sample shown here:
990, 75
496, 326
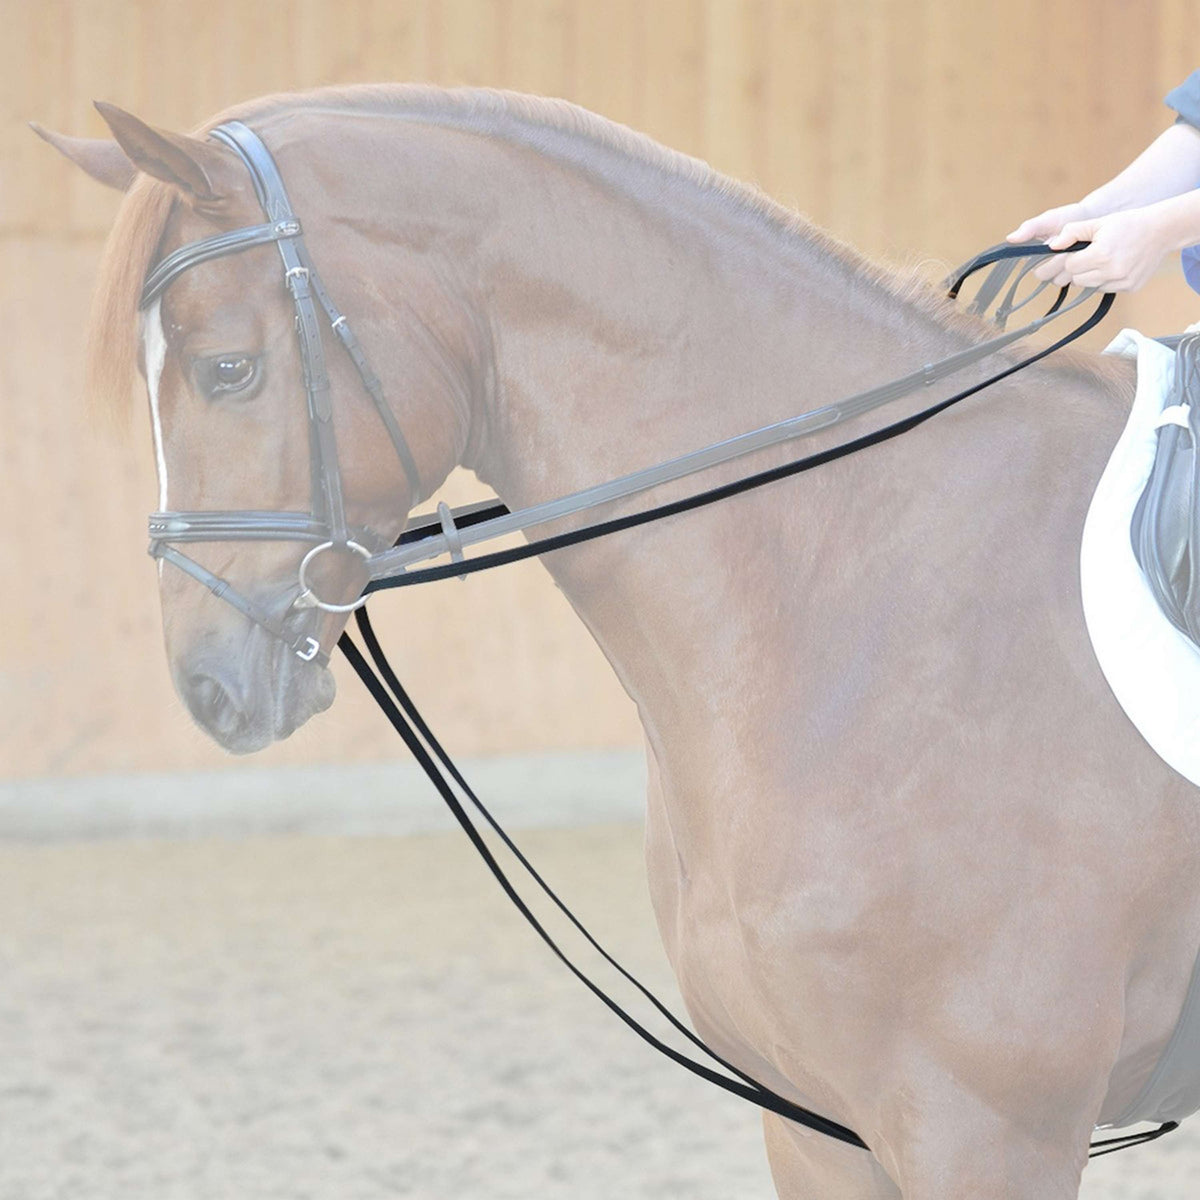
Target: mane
553, 126
112, 343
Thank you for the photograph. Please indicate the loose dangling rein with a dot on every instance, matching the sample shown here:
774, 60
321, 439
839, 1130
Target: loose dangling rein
395, 703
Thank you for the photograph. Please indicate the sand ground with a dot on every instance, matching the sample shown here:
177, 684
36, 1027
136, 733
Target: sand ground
354, 1018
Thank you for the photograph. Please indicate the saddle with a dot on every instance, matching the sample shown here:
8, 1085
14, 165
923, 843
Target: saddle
1165, 529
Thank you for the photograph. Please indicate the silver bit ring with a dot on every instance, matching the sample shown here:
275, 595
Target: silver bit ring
308, 598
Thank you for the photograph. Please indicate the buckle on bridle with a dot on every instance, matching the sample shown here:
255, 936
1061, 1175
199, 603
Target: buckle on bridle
296, 282
311, 649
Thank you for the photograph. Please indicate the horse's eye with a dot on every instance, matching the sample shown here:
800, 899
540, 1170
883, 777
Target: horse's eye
225, 374
233, 373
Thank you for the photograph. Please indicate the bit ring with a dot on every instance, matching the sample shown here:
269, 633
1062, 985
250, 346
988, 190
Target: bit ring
308, 598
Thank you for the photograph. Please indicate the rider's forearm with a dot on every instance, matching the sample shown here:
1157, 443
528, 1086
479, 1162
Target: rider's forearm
1169, 166
1177, 220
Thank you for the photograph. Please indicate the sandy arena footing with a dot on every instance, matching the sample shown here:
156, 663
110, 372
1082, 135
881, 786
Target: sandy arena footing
357, 1018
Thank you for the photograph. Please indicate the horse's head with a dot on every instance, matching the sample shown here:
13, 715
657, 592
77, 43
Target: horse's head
259, 463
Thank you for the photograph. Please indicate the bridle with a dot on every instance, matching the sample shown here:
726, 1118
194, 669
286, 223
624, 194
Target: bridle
449, 532
325, 526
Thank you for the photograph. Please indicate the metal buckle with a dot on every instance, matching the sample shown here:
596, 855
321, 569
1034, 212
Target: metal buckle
296, 282
311, 649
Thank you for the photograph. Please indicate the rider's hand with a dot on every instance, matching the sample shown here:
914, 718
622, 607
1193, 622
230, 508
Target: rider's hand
1126, 248
1046, 225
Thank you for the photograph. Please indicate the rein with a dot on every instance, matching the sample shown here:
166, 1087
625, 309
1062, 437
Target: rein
398, 707
325, 528
431, 537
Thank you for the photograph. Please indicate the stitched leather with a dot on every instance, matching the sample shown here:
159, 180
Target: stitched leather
1165, 530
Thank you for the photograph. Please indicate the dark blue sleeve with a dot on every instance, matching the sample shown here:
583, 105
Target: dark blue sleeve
1185, 99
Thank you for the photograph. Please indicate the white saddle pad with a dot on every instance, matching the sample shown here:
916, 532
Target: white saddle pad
1153, 670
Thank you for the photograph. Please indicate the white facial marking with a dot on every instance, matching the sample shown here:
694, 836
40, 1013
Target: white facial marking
154, 354
154, 350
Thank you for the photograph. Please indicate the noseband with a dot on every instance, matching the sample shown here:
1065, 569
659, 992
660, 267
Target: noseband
324, 527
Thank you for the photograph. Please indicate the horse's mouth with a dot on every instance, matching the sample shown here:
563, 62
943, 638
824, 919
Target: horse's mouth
244, 709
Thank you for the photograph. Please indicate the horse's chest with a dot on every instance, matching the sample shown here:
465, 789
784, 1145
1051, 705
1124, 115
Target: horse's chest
761, 935
705, 936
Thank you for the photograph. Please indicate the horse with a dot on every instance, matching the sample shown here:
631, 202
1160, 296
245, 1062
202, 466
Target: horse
911, 864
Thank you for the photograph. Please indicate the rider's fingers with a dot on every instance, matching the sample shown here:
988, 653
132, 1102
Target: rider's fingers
1097, 279
1072, 232
1036, 228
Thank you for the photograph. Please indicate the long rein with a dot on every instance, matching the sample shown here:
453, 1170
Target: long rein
449, 532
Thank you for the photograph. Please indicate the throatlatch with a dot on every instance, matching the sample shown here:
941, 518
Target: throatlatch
325, 528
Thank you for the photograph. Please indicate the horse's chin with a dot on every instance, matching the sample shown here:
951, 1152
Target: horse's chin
288, 715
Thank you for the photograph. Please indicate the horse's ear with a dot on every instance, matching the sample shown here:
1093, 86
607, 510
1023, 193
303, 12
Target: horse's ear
101, 158
199, 169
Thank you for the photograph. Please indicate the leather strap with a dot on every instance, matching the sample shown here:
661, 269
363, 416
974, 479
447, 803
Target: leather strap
370, 381
399, 709
390, 569
441, 770
209, 248
327, 499
237, 526
303, 645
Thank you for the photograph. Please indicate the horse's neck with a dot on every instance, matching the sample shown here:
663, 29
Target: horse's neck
632, 325
633, 314
629, 330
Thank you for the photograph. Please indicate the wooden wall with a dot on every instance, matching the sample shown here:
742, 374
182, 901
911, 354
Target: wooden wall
918, 129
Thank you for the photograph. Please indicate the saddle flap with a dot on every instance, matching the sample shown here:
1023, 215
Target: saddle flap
1165, 529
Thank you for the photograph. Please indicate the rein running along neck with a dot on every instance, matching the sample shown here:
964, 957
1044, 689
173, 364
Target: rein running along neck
325, 528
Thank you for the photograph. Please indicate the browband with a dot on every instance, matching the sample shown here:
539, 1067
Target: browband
209, 248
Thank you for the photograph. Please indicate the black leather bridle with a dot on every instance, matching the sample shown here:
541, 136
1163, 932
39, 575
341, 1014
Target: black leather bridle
325, 526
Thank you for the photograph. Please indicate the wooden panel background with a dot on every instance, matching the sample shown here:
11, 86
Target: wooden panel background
918, 129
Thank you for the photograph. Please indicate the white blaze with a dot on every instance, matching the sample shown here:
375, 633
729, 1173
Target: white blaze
154, 351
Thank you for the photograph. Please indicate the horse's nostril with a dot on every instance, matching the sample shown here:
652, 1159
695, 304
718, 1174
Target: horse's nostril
206, 693
213, 703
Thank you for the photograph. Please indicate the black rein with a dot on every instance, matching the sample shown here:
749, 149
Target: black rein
397, 706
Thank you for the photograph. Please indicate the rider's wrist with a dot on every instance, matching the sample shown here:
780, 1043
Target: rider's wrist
1104, 200
1177, 221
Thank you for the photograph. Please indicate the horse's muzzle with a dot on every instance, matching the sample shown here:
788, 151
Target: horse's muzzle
245, 701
